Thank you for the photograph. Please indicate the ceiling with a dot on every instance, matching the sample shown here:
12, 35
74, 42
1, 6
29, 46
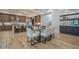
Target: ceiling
25, 12
69, 11
34, 12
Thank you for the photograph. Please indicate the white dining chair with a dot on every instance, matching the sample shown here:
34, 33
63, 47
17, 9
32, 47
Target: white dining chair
47, 32
31, 35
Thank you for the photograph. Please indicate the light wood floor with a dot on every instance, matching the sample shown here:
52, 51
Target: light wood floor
61, 41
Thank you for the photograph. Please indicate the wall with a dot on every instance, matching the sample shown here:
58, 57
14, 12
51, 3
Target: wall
45, 19
56, 19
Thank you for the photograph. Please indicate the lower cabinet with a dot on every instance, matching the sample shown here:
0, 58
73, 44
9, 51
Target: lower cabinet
5, 28
0, 28
69, 30
22, 29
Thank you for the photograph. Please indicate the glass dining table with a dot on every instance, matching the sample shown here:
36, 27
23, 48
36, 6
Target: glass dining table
39, 30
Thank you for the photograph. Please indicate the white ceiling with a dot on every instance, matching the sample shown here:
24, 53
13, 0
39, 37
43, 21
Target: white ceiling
34, 12
24, 12
69, 11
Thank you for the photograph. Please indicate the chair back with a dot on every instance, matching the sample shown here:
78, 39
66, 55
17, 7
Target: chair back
49, 31
29, 32
35, 28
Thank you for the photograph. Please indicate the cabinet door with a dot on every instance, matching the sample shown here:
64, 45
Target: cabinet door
22, 18
0, 19
0, 28
65, 29
74, 30
68, 29
78, 30
37, 19
61, 29
8, 28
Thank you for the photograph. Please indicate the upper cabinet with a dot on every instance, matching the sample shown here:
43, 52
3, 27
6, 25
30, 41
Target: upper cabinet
6, 17
10, 17
22, 18
37, 19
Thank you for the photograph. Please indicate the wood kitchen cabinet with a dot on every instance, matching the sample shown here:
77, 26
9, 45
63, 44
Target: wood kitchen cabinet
37, 19
22, 18
5, 18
